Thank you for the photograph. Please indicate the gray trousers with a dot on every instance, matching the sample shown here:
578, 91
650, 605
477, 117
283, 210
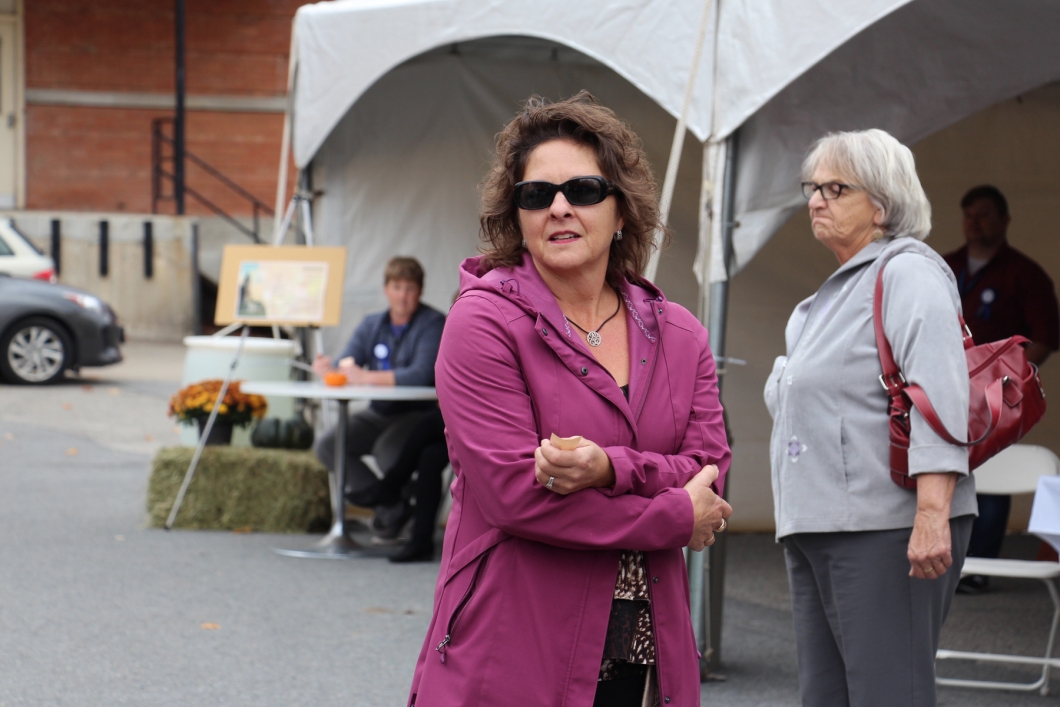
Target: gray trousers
368, 432
866, 631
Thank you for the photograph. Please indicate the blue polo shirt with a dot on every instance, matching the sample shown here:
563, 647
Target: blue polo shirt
408, 350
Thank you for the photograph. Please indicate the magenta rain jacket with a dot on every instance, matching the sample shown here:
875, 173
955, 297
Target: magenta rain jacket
524, 592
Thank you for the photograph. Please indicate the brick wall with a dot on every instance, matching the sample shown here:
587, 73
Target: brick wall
99, 159
87, 158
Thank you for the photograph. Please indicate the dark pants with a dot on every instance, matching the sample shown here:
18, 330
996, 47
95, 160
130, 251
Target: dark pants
988, 531
425, 452
866, 631
368, 432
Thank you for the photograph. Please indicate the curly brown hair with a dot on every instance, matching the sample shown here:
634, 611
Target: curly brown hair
622, 160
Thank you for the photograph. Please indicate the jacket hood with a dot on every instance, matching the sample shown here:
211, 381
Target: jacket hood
522, 285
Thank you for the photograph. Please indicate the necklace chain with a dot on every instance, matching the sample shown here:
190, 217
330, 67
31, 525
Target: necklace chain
593, 337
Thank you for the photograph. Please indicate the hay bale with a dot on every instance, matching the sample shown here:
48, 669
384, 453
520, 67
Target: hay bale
241, 488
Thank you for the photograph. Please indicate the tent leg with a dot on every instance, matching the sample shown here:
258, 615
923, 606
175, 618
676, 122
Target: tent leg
719, 291
285, 139
700, 603
698, 572
719, 308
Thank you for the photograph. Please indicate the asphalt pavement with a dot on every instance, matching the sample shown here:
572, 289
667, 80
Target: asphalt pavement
98, 609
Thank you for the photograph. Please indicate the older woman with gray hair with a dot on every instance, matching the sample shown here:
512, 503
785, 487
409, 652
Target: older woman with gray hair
872, 566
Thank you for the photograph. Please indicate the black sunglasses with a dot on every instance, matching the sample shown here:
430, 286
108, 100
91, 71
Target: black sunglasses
580, 191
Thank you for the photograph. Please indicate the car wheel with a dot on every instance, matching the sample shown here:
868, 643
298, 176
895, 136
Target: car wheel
36, 351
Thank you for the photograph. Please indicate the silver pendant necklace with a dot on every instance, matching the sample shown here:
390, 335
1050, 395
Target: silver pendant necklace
593, 337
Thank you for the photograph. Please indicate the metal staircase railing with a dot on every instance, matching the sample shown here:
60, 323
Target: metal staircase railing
162, 177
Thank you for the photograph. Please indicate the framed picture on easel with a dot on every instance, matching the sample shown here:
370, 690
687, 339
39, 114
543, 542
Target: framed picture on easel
273, 285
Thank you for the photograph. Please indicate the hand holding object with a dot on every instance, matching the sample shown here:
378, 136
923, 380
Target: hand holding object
709, 508
573, 464
355, 375
565, 443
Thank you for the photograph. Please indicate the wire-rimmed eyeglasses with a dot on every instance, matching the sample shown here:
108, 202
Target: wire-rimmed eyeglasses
829, 190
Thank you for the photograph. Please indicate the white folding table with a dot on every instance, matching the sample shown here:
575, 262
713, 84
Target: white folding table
337, 544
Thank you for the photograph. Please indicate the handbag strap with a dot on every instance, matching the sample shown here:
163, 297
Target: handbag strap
895, 383
892, 379
994, 399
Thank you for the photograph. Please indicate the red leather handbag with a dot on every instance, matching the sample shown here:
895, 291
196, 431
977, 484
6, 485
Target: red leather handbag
1006, 397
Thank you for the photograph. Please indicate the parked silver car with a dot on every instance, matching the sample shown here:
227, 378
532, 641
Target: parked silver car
46, 329
20, 258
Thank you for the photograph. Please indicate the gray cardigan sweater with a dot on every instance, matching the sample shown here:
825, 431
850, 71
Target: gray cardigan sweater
830, 443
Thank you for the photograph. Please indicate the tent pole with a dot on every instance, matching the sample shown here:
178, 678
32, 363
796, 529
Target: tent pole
281, 178
670, 180
719, 291
285, 143
719, 305
697, 571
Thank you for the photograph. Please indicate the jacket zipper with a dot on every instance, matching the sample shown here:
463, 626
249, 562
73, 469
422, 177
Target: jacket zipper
643, 387
464, 601
642, 396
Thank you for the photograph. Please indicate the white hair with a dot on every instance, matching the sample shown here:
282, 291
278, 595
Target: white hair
874, 161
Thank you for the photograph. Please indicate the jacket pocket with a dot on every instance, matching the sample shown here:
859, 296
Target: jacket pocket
469, 594
772, 390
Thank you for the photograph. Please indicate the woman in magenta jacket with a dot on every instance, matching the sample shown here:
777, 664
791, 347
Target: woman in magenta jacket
563, 580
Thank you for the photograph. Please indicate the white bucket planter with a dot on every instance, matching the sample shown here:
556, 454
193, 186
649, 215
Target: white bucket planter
262, 360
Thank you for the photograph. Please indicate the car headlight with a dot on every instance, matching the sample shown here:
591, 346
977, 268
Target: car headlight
92, 304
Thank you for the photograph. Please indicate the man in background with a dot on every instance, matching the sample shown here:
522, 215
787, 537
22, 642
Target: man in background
1003, 293
397, 346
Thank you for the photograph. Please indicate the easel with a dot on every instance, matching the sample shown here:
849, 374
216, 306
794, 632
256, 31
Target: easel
207, 428
299, 199
300, 204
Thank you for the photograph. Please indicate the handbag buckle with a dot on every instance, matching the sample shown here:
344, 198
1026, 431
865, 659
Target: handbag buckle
887, 384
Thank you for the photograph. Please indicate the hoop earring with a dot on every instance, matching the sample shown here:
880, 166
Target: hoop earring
618, 235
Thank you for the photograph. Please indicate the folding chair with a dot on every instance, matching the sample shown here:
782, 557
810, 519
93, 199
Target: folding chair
1015, 470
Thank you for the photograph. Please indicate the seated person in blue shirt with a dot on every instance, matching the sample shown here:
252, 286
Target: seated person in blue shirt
394, 347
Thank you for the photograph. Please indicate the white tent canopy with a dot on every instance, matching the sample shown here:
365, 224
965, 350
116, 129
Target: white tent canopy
783, 72
399, 171
344, 47
914, 71
362, 79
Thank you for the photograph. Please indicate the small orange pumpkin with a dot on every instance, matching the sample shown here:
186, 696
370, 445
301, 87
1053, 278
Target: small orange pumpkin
335, 379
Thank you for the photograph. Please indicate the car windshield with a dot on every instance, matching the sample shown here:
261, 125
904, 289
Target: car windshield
5, 249
13, 232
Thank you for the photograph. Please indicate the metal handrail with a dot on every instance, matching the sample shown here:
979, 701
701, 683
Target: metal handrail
215, 208
159, 173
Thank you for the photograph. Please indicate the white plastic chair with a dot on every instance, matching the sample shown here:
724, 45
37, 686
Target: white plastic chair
1015, 470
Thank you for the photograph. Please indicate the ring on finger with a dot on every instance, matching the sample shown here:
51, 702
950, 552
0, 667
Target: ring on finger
551, 479
928, 569
721, 528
